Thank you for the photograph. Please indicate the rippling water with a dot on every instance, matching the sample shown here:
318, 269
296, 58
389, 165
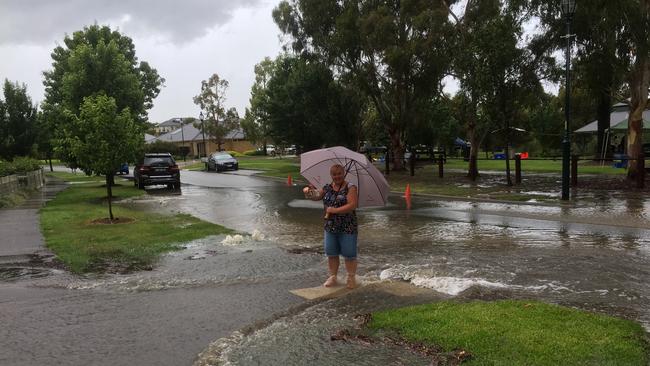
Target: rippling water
594, 255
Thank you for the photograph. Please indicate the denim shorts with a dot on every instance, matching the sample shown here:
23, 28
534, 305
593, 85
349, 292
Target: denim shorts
341, 244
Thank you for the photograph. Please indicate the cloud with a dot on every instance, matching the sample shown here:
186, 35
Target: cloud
177, 21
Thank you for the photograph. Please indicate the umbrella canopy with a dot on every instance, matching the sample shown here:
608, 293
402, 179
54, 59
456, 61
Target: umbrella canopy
372, 187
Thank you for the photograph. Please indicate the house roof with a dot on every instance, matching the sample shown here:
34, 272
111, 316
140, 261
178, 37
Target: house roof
173, 122
149, 138
620, 113
190, 133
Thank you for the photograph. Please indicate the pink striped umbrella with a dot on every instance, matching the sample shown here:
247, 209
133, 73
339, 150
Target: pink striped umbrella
372, 187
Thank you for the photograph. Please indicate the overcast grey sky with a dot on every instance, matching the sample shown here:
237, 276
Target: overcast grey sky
186, 41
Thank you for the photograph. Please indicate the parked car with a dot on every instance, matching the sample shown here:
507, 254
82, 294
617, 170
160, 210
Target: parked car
222, 161
124, 169
157, 168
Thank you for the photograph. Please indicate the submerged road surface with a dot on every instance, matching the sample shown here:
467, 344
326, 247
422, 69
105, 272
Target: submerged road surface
592, 256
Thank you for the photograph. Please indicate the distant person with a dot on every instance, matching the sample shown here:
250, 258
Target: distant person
340, 201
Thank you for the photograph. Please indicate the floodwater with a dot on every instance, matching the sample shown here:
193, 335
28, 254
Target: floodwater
592, 255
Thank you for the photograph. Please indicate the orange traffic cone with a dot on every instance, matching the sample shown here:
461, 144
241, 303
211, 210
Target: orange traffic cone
289, 181
407, 193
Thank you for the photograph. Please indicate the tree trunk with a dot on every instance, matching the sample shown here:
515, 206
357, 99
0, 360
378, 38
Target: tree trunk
109, 193
604, 107
508, 177
473, 139
51, 168
397, 149
639, 83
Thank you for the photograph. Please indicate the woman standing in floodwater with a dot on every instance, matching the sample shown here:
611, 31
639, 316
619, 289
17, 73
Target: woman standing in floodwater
341, 228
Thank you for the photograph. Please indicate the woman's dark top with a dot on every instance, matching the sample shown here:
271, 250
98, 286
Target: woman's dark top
339, 223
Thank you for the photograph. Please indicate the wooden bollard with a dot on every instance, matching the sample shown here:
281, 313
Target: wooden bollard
387, 161
441, 169
517, 168
574, 170
640, 174
412, 163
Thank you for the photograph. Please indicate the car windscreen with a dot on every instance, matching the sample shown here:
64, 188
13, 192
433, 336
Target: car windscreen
222, 157
158, 161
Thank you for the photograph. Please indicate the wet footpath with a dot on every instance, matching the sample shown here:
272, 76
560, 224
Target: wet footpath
221, 301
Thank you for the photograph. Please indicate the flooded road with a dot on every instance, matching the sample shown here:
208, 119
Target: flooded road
593, 255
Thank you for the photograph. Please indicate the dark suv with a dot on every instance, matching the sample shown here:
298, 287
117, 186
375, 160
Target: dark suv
158, 168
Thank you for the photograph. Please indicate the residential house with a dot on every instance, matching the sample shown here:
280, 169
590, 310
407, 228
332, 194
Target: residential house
192, 139
167, 126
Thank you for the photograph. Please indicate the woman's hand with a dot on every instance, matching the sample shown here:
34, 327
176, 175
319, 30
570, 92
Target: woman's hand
331, 210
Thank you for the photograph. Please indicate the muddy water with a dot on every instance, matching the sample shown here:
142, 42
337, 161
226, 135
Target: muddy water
593, 255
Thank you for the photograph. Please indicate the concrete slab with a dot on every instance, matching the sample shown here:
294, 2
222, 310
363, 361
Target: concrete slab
322, 292
20, 232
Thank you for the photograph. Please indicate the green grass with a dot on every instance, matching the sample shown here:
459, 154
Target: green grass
272, 166
519, 333
15, 198
195, 166
85, 247
537, 166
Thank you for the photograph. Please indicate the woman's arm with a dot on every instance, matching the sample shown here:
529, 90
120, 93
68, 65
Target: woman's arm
317, 194
348, 207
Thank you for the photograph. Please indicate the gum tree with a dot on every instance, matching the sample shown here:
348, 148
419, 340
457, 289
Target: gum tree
219, 121
395, 52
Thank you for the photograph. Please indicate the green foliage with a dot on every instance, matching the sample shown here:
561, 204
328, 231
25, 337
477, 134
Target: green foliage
101, 138
235, 154
254, 153
520, 333
396, 53
97, 60
305, 106
162, 147
18, 166
93, 62
18, 122
218, 121
256, 124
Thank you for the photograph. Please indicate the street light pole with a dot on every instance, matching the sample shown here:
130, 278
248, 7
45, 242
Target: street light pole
568, 8
205, 148
183, 138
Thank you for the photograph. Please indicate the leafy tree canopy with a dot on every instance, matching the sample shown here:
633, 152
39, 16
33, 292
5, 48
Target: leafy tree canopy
396, 52
18, 125
98, 60
219, 121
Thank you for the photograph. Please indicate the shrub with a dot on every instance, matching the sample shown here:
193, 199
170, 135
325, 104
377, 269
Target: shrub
24, 165
18, 166
235, 154
253, 152
162, 147
6, 168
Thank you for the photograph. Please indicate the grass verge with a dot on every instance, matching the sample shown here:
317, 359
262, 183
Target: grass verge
519, 333
66, 223
15, 198
536, 166
272, 166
